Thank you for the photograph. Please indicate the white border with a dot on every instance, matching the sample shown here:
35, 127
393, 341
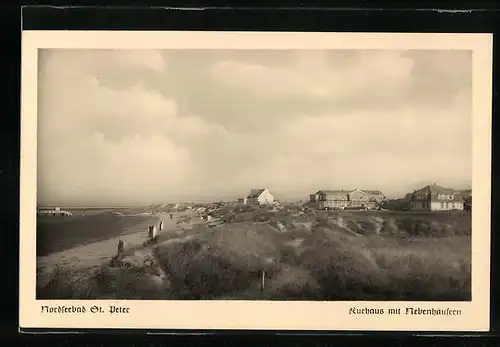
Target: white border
259, 314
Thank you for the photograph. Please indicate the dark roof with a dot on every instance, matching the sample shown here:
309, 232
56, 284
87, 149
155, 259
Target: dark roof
346, 191
334, 191
434, 189
373, 192
255, 193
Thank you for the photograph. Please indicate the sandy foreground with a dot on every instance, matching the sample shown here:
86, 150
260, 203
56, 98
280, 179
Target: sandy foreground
90, 256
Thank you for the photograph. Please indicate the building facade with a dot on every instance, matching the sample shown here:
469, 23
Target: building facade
260, 196
436, 198
345, 199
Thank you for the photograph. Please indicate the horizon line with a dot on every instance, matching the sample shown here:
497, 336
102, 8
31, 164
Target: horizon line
204, 201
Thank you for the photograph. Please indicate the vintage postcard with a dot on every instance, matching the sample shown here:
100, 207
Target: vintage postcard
255, 180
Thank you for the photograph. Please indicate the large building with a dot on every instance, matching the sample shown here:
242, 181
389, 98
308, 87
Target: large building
436, 198
342, 199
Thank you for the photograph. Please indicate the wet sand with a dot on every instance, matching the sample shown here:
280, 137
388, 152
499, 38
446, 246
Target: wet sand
94, 254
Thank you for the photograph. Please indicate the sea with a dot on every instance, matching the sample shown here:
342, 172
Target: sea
87, 225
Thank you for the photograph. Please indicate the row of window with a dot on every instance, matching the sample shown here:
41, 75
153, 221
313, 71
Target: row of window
444, 205
345, 198
334, 198
339, 204
449, 205
445, 197
440, 197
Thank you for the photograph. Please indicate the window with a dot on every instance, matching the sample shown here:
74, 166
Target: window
442, 205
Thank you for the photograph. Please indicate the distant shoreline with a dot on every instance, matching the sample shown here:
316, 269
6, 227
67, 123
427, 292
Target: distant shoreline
87, 208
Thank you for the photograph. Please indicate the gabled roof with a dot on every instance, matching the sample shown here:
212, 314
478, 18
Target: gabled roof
357, 190
334, 191
347, 191
434, 189
373, 192
255, 193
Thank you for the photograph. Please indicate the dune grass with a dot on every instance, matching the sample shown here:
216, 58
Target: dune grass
324, 256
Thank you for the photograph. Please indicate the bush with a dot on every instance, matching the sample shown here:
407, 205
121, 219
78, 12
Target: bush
134, 277
427, 272
393, 256
345, 271
63, 283
220, 262
292, 283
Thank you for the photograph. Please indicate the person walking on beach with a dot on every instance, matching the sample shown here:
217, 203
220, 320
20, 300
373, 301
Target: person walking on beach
171, 216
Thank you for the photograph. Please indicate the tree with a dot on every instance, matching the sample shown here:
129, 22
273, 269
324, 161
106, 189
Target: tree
396, 204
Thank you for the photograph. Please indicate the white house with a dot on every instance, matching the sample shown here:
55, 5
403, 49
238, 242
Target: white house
436, 198
259, 197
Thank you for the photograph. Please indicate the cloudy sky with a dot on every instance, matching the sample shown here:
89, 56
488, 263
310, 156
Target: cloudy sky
126, 127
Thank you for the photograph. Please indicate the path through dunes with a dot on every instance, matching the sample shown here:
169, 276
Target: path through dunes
56, 234
93, 255
318, 256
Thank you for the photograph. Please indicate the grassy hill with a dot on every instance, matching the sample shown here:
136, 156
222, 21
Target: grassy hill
336, 255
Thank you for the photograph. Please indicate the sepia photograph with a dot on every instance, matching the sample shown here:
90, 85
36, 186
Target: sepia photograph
320, 174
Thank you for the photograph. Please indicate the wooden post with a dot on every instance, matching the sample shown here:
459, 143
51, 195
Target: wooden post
262, 284
121, 247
